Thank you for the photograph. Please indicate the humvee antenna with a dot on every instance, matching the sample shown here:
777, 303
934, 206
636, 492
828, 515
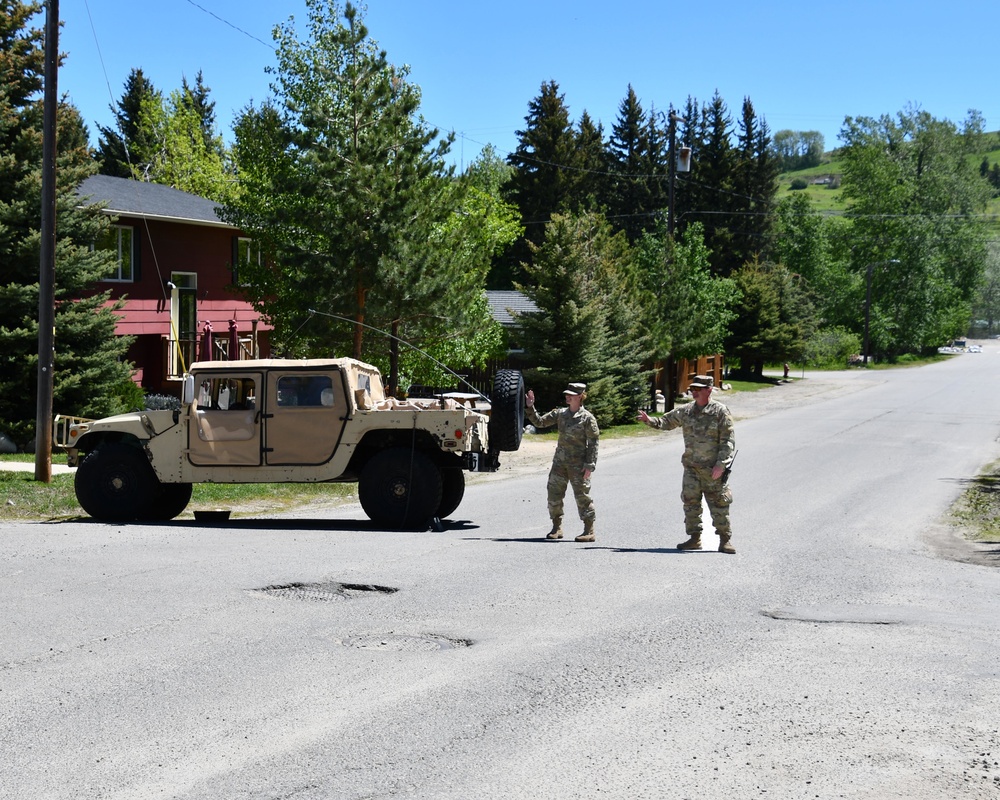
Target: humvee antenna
401, 341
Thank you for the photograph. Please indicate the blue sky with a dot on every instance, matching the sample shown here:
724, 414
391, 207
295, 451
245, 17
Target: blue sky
805, 66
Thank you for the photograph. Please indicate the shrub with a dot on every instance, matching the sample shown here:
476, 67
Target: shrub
832, 347
162, 402
798, 184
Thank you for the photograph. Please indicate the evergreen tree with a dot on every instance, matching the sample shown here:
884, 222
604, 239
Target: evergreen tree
590, 167
196, 98
127, 147
349, 197
774, 317
714, 171
90, 376
581, 277
755, 184
628, 150
541, 183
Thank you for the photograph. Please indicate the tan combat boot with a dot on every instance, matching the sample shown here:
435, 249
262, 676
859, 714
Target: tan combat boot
725, 546
556, 532
588, 532
694, 543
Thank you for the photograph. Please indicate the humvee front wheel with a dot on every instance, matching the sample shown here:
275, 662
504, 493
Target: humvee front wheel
172, 500
115, 483
400, 488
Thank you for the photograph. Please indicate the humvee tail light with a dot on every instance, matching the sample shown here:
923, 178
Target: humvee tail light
459, 433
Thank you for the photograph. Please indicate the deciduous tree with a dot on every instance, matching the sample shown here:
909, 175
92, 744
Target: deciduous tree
915, 205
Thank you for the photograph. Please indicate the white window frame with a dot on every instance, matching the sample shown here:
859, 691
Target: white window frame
117, 276
247, 251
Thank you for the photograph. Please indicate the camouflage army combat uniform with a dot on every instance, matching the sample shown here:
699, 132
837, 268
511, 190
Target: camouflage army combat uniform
576, 453
709, 441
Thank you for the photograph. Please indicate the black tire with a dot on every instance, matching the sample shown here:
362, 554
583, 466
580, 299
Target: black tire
400, 488
452, 491
115, 483
173, 499
507, 411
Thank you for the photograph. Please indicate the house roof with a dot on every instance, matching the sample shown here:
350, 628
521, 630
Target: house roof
124, 197
505, 304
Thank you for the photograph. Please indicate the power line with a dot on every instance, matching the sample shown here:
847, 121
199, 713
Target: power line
231, 25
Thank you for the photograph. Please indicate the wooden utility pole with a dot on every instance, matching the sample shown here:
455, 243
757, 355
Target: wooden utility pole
47, 259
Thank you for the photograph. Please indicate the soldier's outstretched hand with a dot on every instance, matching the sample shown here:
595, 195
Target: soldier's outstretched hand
643, 416
529, 398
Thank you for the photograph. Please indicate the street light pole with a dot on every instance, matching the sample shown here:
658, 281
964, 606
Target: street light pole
868, 299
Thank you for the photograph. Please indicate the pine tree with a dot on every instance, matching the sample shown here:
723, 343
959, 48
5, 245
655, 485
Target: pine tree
714, 170
349, 196
126, 147
196, 98
629, 205
541, 184
90, 377
581, 278
590, 167
755, 185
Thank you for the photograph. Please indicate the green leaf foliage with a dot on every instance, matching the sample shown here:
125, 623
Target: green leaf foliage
916, 232
687, 310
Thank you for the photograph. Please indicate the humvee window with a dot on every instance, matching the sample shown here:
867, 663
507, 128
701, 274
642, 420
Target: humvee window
305, 390
227, 394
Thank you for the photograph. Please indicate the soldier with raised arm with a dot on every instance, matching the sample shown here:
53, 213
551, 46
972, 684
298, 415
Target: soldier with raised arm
574, 460
709, 449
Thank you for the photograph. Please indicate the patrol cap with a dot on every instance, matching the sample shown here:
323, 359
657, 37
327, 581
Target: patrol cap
702, 382
575, 389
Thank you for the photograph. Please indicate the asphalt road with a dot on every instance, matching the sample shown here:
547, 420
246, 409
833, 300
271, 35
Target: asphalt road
837, 655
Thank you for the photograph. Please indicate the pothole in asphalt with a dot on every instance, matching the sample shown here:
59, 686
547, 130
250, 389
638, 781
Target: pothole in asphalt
401, 643
324, 592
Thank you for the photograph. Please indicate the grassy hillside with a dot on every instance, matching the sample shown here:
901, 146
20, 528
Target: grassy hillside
823, 189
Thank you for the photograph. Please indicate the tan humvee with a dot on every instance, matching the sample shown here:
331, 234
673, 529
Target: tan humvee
296, 421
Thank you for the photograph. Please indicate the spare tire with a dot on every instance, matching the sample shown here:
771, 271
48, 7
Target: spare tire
507, 410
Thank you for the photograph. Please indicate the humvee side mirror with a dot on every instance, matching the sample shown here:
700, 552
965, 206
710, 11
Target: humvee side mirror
187, 392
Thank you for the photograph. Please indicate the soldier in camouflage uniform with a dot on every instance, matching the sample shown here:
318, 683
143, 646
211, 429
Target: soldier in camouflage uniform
709, 448
575, 458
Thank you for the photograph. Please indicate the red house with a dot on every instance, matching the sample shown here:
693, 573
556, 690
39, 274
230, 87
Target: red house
178, 270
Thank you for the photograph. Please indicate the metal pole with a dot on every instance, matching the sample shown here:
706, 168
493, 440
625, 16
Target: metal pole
47, 257
868, 309
672, 128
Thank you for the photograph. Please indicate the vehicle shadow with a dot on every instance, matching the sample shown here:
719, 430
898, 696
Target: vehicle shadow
284, 524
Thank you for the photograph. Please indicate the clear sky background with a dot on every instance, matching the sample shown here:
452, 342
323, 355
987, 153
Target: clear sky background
804, 65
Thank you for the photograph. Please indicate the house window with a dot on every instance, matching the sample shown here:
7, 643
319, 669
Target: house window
118, 240
247, 253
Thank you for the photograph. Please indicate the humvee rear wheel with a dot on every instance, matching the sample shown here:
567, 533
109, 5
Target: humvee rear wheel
400, 488
507, 410
172, 500
452, 491
115, 483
